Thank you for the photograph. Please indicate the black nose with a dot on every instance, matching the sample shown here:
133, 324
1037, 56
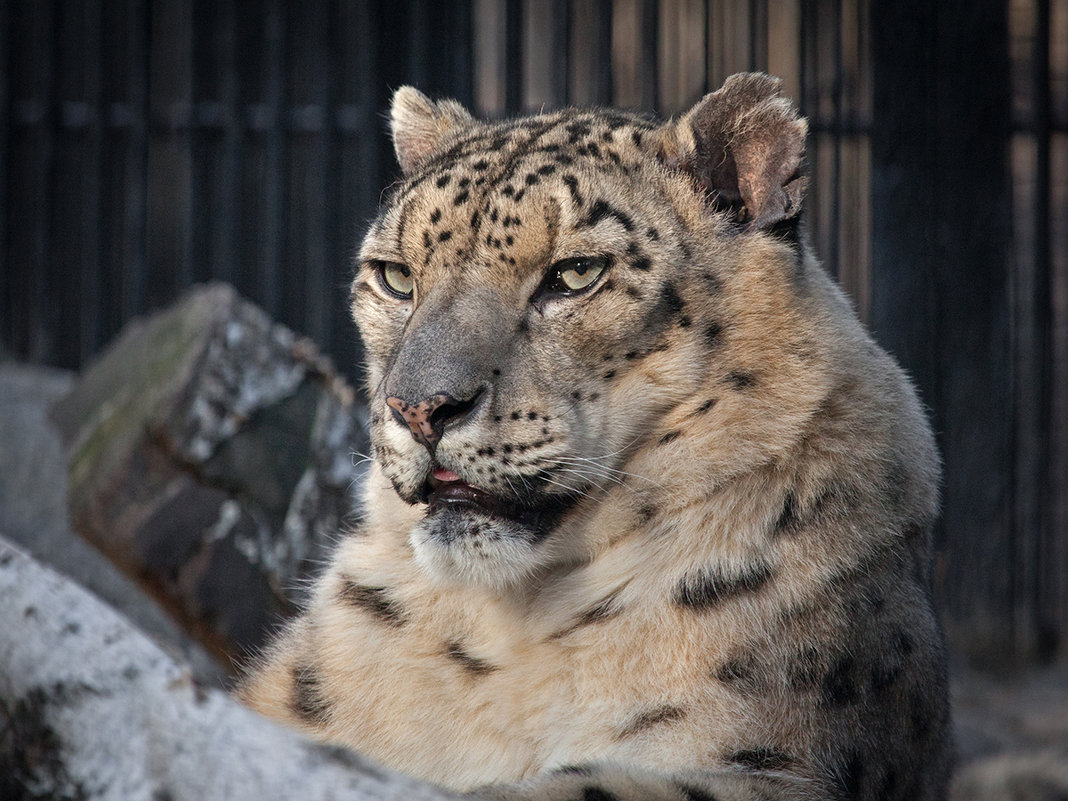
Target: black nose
427, 418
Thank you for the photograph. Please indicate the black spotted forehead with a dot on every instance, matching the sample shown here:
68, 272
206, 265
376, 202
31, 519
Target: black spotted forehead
513, 155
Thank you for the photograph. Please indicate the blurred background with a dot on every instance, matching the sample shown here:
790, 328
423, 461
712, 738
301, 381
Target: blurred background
146, 145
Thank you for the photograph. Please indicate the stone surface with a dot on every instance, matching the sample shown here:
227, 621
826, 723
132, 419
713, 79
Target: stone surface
210, 455
33, 509
92, 710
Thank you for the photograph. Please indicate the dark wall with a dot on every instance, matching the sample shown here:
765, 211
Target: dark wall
146, 145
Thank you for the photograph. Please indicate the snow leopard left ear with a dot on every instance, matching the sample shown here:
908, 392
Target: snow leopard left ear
743, 145
421, 126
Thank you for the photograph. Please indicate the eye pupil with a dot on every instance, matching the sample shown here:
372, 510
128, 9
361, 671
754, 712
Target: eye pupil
396, 278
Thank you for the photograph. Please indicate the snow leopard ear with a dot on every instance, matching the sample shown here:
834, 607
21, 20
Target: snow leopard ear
743, 144
420, 126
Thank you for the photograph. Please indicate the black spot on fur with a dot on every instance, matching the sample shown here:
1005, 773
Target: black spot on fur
374, 600
573, 770
706, 588
597, 794
708, 404
685, 321
805, 669
531, 179
669, 298
839, 685
445, 236
601, 210
480, 165
737, 673
788, 522
572, 185
308, 700
443, 181
546, 169
741, 379
642, 263
647, 720
435, 215
767, 758
712, 334
460, 198
471, 664
577, 130
884, 675
670, 436
609, 374
603, 610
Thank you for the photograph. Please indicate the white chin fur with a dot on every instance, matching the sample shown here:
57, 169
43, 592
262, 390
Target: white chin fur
490, 553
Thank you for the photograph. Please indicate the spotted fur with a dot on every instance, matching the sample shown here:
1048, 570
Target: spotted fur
660, 537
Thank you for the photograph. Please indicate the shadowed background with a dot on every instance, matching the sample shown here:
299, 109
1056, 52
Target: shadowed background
148, 145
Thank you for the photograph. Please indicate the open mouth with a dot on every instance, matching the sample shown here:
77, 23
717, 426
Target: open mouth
446, 490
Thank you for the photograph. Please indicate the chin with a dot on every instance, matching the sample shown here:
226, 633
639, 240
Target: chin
473, 547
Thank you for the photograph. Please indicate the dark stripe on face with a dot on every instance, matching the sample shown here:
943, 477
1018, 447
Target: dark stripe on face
602, 210
707, 588
373, 600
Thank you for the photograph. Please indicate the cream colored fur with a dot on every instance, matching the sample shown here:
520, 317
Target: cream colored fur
734, 603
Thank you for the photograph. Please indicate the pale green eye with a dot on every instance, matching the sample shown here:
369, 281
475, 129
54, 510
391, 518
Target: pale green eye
575, 275
396, 278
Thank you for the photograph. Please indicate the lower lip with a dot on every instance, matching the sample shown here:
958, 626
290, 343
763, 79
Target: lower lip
457, 494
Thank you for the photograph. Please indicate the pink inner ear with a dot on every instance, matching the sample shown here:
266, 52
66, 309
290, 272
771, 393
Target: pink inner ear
749, 145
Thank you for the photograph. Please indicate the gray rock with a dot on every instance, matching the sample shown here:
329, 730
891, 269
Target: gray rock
91, 709
33, 508
210, 456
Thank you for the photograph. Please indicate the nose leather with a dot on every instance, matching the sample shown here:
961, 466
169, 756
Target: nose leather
417, 416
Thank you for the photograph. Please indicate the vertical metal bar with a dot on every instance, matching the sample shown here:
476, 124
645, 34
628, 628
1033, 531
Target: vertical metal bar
169, 197
514, 23
32, 57
6, 284
650, 64
122, 166
489, 23
1044, 539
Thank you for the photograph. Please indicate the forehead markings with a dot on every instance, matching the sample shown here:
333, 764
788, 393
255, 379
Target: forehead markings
498, 138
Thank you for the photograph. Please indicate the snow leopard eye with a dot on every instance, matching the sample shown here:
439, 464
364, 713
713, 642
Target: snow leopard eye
396, 278
572, 276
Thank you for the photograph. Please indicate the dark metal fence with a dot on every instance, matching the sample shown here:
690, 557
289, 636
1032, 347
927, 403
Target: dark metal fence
149, 144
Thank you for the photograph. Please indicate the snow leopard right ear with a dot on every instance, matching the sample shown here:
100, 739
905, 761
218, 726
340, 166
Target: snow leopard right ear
743, 145
421, 126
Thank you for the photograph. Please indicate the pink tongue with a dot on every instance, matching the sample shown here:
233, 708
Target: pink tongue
441, 474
